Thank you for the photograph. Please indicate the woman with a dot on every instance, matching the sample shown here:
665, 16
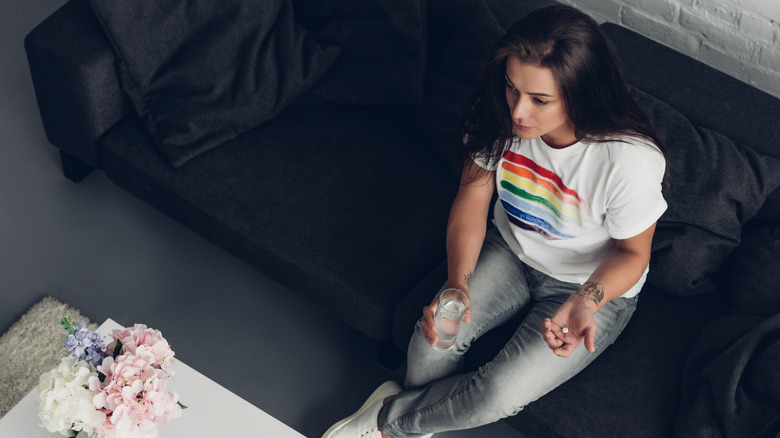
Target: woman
578, 171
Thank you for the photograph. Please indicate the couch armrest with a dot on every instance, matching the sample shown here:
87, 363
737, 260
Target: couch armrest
74, 76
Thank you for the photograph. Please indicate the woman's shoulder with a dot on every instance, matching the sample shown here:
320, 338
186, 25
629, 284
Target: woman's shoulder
634, 157
632, 144
627, 147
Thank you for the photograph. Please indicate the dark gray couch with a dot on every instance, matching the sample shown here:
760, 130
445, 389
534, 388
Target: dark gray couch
344, 197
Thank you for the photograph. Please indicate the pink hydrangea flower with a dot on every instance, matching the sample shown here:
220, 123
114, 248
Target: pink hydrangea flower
133, 393
139, 339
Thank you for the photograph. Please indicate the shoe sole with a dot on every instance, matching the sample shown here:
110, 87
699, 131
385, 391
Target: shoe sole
385, 390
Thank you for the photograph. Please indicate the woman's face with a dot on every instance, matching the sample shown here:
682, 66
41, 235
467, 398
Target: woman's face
536, 105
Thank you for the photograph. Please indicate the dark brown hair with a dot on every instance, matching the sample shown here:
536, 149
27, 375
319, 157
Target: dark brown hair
583, 61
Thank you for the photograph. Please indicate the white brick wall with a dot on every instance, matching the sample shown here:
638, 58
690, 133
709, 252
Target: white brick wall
738, 37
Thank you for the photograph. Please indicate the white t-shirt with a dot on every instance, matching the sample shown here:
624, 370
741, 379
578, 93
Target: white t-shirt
561, 210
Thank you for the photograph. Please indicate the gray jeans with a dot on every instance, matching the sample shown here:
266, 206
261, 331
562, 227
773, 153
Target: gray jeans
440, 397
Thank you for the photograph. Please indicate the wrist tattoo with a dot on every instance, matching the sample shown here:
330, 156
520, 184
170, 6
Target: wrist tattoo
591, 291
467, 278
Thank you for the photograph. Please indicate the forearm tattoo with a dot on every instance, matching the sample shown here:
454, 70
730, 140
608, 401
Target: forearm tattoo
467, 278
592, 291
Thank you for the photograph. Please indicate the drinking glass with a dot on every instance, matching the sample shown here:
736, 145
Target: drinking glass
449, 313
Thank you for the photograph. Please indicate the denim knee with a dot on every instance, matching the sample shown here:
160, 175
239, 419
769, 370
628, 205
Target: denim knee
425, 364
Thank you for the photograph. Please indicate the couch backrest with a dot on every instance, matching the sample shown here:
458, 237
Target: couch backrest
707, 97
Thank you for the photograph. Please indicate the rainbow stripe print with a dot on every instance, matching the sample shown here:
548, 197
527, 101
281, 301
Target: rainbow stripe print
536, 199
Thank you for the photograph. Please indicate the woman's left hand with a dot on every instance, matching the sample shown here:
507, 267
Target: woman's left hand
577, 318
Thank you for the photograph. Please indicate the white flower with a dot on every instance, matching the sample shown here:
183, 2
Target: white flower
65, 399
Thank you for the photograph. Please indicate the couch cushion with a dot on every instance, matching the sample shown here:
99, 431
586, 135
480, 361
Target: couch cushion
451, 79
770, 212
200, 73
715, 187
382, 44
335, 202
754, 272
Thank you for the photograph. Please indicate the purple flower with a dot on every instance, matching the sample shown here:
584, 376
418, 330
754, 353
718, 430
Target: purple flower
86, 345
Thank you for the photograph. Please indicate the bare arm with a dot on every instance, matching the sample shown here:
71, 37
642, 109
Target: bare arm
618, 272
615, 276
467, 225
465, 236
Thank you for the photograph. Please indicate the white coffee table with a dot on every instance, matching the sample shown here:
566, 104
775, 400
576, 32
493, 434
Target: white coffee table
212, 410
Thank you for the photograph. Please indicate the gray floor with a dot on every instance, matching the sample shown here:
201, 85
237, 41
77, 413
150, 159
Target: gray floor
100, 250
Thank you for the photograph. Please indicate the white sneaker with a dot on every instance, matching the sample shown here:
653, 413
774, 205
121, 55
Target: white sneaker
362, 424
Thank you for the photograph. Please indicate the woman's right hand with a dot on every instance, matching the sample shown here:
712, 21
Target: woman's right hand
429, 324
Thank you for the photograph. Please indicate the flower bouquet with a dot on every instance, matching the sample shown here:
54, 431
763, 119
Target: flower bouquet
111, 391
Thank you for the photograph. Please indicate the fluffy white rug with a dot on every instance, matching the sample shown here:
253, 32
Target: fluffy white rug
33, 346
